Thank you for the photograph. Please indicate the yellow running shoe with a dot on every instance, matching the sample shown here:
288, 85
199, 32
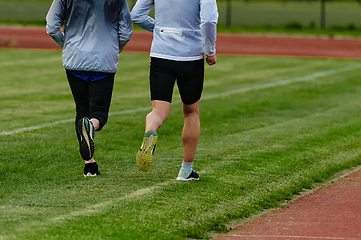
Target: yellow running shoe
144, 155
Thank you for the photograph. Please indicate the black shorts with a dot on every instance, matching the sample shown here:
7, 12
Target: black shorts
189, 76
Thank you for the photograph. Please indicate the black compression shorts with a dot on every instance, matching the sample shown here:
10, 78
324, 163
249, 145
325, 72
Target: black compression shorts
189, 76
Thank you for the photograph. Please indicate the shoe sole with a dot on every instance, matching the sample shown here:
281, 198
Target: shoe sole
186, 179
86, 146
144, 156
90, 175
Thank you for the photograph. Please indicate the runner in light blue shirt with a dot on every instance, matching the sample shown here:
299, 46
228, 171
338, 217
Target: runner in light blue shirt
183, 31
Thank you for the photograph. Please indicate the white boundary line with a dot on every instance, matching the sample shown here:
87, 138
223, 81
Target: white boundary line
283, 82
52, 124
223, 94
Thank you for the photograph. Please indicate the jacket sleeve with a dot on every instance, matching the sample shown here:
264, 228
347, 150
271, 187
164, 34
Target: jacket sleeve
139, 14
55, 20
209, 19
125, 26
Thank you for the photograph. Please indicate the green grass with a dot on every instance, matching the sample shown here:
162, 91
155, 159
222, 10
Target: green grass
283, 13
24, 12
271, 127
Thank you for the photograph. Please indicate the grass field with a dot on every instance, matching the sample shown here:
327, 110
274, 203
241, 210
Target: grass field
282, 13
271, 127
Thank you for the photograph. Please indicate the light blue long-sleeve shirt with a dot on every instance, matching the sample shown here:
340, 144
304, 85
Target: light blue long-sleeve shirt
183, 30
95, 32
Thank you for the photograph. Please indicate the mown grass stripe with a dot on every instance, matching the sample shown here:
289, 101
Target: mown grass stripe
91, 209
284, 82
30, 62
223, 94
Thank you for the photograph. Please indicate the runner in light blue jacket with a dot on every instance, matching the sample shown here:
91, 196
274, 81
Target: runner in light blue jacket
183, 31
95, 32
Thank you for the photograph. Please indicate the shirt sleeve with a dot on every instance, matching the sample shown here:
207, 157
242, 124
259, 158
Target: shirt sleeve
209, 19
54, 21
125, 26
139, 14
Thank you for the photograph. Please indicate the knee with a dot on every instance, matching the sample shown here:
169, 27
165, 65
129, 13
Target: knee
190, 112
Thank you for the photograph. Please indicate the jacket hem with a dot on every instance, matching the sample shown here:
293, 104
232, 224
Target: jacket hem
177, 58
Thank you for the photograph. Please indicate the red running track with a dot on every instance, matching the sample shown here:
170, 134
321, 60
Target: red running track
332, 212
229, 44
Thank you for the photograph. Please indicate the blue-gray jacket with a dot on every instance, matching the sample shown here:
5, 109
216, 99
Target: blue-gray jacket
95, 32
183, 30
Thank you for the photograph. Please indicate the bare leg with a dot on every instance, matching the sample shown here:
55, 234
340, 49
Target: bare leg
95, 123
191, 131
154, 120
159, 113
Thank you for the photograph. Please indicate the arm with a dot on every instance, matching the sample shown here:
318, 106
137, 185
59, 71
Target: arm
125, 26
55, 20
139, 14
209, 19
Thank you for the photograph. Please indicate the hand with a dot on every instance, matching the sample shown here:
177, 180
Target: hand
211, 60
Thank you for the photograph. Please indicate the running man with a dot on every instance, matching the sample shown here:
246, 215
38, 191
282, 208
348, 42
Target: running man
95, 32
183, 31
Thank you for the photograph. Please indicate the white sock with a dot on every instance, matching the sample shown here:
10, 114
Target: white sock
187, 166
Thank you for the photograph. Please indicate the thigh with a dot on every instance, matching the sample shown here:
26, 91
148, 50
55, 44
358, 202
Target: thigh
100, 91
79, 89
162, 79
190, 78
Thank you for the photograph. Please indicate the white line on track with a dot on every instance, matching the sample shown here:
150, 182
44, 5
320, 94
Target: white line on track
52, 124
213, 96
284, 82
